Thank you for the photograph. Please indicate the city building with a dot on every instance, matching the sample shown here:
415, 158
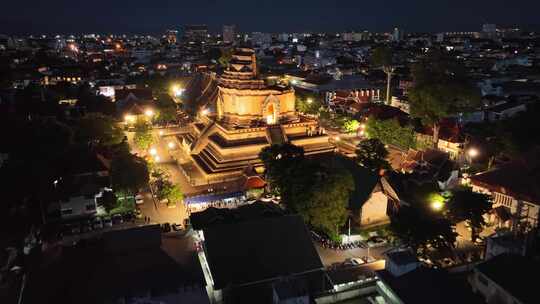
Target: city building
171, 36
514, 186
270, 260
406, 281
241, 114
506, 279
195, 32
261, 39
229, 33
76, 194
398, 34
128, 265
489, 31
373, 199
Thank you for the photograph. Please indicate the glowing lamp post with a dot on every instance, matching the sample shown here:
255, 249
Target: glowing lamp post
437, 205
471, 154
177, 91
129, 119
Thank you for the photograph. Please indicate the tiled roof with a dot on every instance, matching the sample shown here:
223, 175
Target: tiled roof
519, 178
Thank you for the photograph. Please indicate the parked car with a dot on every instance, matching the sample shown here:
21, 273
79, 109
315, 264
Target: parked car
97, 223
75, 229
368, 259
376, 241
127, 216
107, 222
353, 262
166, 227
117, 219
139, 199
86, 226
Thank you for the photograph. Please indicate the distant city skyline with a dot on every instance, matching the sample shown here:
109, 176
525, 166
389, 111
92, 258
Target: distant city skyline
153, 17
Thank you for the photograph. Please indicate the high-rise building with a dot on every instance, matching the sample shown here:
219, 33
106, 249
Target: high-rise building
398, 34
489, 31
260, 39
229, 32
171, 36
195, 32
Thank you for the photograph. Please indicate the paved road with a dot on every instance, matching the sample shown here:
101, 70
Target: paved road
331, 256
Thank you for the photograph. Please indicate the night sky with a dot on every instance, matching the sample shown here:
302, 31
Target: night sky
154, 16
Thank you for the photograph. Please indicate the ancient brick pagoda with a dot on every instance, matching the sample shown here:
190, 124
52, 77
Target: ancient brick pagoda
243, 114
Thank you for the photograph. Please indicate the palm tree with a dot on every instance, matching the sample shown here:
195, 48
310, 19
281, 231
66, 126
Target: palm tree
382, 56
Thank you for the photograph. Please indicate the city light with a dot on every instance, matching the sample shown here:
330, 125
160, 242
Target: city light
153, 151
170, 145
160, 132
472, 152
204, 112
309, 100
156, 158
177, 90
149, 113
129, 118
437, 205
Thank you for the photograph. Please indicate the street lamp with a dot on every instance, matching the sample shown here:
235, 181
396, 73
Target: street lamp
129, 118
153, 151
156, 158
170, 145
309, 101
177, 91
437, 205
149, 113
472, 152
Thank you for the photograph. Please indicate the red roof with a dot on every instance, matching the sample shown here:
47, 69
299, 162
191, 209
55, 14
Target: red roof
254, 182
519, 178
449, 131
140, 94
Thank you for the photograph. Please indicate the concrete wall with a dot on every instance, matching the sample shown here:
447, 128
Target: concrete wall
78, 206
491, 292
345, 295
374, 209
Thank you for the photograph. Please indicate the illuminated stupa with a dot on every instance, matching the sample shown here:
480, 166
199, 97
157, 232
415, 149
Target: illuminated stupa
244, 114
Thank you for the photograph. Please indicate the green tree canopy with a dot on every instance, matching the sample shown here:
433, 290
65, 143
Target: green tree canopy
422, 230
351, 125
441, 88
326, 209
319, 194
226, 56
390, 131
166, 109
382, 56
129, 173
96, 127
371, 153
143, 135
469, 206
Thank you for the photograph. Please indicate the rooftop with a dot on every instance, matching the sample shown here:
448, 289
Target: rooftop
260, 250
426, 285
515, 274
519, 178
